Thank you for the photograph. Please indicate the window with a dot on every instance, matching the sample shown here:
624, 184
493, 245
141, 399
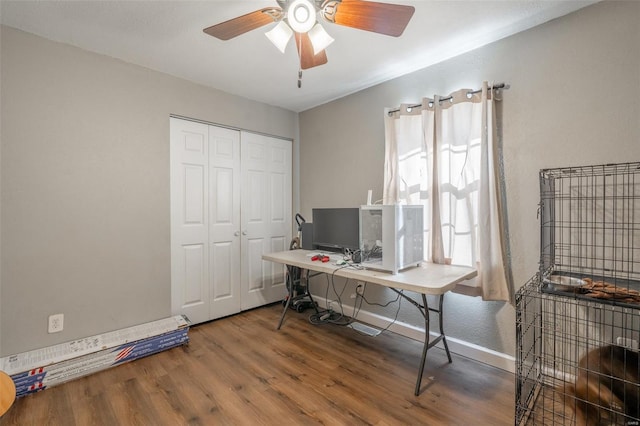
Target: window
443, 154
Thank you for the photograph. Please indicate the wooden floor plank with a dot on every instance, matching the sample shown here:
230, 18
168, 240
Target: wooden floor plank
241, 370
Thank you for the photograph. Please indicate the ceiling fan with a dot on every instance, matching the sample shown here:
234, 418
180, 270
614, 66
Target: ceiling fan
300, 17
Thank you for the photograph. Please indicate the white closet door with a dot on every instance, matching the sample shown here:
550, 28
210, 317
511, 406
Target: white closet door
224, 225
189, 171
230, 203
266, 216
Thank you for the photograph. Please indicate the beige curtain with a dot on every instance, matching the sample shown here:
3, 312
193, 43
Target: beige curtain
445, 155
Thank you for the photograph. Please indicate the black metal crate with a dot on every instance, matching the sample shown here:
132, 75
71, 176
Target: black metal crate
578, 318
553, 335
590, 231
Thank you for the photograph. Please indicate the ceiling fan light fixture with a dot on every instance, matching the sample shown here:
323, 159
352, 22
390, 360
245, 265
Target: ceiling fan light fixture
320, 38
280, 35
301, 15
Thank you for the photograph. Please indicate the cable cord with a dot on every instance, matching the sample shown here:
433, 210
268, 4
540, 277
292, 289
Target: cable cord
362, 298
382, 305
329, 316
342, 319
375, 252
395, 318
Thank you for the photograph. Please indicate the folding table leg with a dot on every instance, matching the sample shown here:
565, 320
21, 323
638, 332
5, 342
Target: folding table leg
424, 309
286, 305
425, 313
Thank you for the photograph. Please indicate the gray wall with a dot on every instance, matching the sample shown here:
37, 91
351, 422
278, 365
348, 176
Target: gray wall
85, 179
85, 186
574, 100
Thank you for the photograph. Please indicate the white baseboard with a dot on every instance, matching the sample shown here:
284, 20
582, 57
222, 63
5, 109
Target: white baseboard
457, 346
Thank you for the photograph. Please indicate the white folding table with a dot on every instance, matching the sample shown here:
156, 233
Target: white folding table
428, 279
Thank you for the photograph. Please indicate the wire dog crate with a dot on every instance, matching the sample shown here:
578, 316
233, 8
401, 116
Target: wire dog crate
578, 318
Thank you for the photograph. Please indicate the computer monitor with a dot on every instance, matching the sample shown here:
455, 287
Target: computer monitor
336, 229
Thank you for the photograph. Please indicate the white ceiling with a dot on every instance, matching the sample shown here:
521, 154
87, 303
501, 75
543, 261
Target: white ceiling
167, 36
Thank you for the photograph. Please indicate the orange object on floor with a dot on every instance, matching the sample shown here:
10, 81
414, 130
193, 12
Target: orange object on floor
7, 393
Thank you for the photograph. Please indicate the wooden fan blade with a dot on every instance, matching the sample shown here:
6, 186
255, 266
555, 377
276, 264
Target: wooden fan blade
382, 18
305, 50
242, 24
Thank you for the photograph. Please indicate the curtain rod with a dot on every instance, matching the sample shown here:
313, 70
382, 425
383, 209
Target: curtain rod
473, 92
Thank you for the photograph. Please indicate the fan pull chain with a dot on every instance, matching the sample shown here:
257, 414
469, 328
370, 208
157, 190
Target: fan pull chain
300, 61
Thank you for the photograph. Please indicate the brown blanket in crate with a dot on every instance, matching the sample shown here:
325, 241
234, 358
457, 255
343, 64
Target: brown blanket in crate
605, 290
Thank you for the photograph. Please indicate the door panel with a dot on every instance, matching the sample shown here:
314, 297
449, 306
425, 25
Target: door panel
277, 191
281, 216
254, 210
256, 273
275, 271
224, 205
194, 278
189, 216
266, 216
225, 298
194, 195
225, 225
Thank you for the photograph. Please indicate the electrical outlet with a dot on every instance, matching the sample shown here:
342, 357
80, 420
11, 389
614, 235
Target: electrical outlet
56, 323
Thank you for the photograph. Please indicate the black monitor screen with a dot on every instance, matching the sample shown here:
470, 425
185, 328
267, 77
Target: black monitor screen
336, 229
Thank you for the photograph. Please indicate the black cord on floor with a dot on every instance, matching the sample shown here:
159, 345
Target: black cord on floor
329, 316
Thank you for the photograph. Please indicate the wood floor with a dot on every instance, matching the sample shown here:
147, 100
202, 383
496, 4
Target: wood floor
241, 371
